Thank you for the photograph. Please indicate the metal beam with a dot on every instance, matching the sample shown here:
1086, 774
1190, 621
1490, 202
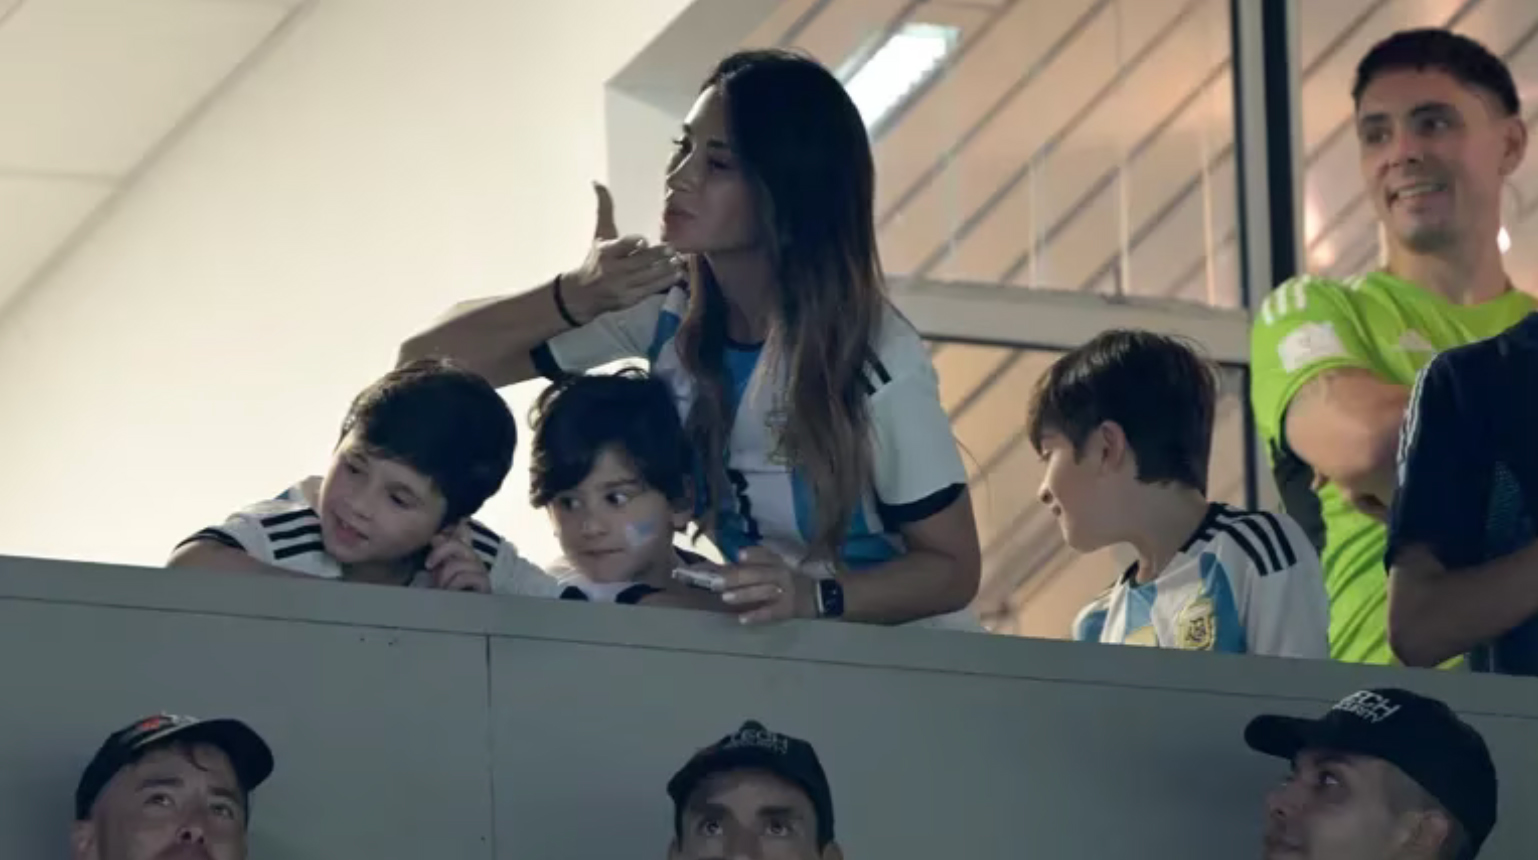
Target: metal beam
1056, 320
1266, 90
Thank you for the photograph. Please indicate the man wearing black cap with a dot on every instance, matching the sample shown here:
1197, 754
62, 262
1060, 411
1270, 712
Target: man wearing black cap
755, 793
169, 788
1385, 775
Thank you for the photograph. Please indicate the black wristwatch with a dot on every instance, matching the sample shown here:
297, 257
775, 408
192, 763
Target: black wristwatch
830, 598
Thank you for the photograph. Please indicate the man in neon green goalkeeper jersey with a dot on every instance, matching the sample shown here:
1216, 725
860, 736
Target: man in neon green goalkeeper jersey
1440, 128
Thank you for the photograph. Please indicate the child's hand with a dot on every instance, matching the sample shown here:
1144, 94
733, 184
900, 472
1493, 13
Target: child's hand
454, 566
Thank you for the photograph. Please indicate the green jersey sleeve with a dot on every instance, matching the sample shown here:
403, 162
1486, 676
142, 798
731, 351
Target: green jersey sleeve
1305, 327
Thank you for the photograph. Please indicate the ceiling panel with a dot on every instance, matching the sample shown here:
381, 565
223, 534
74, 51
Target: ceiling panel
781, 21
90, 86
37, 216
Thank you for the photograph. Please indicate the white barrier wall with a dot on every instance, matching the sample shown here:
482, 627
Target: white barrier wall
412, 725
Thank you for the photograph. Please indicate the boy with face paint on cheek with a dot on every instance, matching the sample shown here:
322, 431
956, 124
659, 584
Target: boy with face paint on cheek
614, 469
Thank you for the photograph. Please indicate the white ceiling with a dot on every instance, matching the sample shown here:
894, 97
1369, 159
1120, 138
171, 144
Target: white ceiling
90, 91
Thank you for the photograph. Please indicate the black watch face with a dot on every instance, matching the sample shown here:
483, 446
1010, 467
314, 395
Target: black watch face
832, 598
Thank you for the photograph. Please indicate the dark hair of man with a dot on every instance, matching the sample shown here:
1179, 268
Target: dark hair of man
1466, 60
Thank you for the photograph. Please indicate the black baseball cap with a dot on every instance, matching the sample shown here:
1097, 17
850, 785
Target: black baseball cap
1419, 735
754, 747
248, 753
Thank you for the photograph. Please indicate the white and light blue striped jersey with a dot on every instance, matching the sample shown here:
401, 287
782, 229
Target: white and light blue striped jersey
917, 467
285, 532
1246, 582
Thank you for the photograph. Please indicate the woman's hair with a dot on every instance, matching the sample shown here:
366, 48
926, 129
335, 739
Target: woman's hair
634, 414
802, 147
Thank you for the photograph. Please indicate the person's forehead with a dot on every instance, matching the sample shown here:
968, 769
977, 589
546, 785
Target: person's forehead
708, 116
1399, 90
1325, 756
389, 467
612, 464
750, 787
184, 760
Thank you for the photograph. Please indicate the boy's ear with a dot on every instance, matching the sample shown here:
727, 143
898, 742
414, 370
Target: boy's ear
1112, 444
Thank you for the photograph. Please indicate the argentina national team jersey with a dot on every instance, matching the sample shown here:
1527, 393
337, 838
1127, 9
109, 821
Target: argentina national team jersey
917, 467
1246, 582
285, 532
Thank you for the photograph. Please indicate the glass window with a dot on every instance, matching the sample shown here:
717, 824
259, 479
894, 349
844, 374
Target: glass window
1080, 146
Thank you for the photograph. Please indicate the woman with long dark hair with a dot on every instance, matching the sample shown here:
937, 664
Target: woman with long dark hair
829, 474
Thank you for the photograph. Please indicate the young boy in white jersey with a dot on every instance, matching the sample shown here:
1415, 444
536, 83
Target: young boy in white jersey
1124, 424
420, 451
614, 468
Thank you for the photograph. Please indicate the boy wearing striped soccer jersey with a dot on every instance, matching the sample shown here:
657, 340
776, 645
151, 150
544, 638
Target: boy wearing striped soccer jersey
1124, 424
1439, 130
420, 451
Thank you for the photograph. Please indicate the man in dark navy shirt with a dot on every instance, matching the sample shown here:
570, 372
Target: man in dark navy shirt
1463, 549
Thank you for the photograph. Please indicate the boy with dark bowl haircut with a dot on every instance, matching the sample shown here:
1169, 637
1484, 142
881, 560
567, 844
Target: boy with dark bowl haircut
420, 451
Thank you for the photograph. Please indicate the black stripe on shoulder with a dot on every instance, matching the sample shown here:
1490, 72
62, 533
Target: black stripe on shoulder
1289, 557
290, 517
487, 551
882, 376
1257, 530
484, 532
1268, 530
571, 592
211, 535
299, 549
873, 375
1238, 536
294, 533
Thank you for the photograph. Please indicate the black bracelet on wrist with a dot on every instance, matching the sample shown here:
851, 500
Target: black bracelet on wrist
560, 304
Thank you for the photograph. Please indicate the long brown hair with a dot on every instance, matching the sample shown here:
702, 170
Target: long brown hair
802, 144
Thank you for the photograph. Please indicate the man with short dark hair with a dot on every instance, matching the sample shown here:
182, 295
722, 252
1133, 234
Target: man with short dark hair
754, 793
170, 786
1439, 130
1386, 774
